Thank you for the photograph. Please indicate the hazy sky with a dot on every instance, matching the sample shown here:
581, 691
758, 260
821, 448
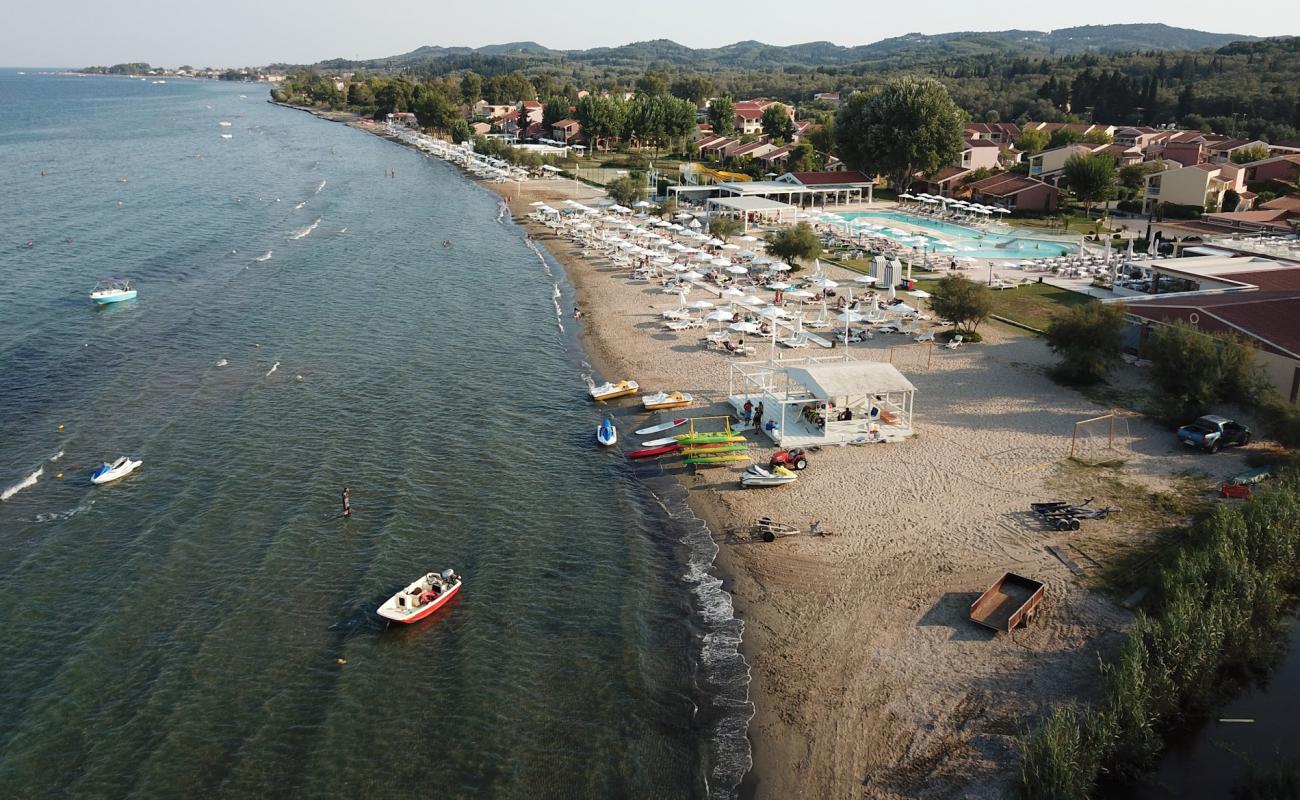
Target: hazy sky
73, 33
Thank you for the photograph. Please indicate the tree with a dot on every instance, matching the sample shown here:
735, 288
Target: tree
1032, 141
961, 300
471, 88
652, 84
460, 131
1091, 177
792, 244
1063, 136
803, 158
696, 88
1192, 370
360, 97
1134, 176
602, 117
1245, 155
1098, 137
626, 191
1088, 339
725, 227
777, 123
822, 135
554, 109
722, 116
909, 126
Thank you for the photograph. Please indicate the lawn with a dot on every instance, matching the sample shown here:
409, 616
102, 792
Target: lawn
1033, 304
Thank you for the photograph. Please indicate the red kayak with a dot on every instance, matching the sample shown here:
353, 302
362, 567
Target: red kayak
651, 452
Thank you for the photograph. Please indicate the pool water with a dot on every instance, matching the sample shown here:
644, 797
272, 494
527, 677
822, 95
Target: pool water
956, 239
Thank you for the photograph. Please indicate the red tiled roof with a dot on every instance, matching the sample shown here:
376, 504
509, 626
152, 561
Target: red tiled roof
947, 173
981, 143
1268, 317
1288, 203
1005, 185
824, 178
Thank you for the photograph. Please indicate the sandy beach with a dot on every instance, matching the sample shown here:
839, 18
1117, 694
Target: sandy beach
869, 679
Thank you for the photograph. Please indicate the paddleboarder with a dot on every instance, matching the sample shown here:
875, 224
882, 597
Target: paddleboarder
347, 502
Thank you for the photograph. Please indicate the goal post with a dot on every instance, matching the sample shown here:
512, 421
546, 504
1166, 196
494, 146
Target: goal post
1101, 440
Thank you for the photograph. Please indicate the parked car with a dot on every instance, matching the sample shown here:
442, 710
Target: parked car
1212, 433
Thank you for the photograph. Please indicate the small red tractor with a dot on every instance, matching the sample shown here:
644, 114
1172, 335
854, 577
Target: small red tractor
791, 458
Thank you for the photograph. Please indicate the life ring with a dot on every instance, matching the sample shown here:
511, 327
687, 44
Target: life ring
427, 597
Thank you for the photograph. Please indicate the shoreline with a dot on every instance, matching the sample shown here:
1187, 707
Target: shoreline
867, 678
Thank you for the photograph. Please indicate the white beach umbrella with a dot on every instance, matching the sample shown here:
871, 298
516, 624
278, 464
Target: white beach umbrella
753, 300
867, 279
702, 257
902, 308
663, 261
749, 238
677, 246
825, 283
720, 262
732, 291
921, 293
744, 327
691, 275
721, 315
694, 223
780, 267
773, 312
800, 294
714, 242
778, 286
537, 204
736, 269
699, 305
850, 316
730, 246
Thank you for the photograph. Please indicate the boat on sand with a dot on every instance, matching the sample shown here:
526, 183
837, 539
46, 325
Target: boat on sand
755, 476
610, 391
660, 401
423, 597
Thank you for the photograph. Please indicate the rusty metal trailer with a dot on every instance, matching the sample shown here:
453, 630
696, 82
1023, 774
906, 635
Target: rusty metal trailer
1008, 604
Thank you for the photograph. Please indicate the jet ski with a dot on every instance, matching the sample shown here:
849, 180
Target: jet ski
118, 469
755, 476
607, 434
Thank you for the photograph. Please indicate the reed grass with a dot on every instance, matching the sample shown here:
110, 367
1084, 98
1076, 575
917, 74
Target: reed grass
1216, 616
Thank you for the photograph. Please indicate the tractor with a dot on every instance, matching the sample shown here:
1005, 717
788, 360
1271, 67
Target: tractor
791, 458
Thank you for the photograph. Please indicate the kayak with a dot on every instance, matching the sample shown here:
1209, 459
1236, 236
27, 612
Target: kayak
660, 442
607, 434
666, 426
651, 452
709, 438
717, 449
703, 461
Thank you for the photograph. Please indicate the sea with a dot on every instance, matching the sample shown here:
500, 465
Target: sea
319, 308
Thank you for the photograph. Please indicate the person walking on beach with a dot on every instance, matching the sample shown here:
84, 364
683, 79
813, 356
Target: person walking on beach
347, 502
758, 417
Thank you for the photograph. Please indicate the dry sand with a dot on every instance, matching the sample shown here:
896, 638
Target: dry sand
868, 677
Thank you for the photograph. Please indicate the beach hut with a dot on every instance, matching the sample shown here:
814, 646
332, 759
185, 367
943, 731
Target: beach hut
825, 400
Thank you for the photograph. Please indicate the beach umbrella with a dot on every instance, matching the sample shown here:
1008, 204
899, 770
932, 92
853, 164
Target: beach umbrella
773, 312
753, 300
867, 279
778, 286
825, 283
699, 305
735, 269
729, 246
643, 204
682, 215
850, 316
702, 257
663, 261
714, 242
749, 238
695, 223
677, 246
800, 294
744, 327
691, 275
537, 204
720, 262
921, 293
721, 315
780, 267
732, 291
902, 307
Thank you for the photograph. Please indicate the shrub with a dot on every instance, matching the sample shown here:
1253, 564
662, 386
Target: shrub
1088, 338
962, 301
1192, 370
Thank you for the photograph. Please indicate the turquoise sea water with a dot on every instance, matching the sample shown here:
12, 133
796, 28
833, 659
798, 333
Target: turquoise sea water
945, 237
205, 627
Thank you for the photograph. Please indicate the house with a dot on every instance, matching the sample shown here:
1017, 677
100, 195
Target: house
1265, 319
801, 127
1049, 164
830, 97
486, 110
1139, 137
980, 153
566, 130
1014, 192
752, 150
481, 128
749, 114
1221, 152
1200, 185
943, 182
509, 123
1124, 155
715, 147
774, 158
1285, 168
1002, 133
404, 118
531, 110
1185, 147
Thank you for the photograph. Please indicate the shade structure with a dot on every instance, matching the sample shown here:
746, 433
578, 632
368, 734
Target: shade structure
730, 246
749, 238
854, 378
921, 293
643, 204
720, 262
714, 242
694, 223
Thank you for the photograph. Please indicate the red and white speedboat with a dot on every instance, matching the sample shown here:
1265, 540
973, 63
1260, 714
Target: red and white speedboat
417, 601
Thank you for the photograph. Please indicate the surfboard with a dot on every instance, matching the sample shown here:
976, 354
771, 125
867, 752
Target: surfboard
659, 442
667, 426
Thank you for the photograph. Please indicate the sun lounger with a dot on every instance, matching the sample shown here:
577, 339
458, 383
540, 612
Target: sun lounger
955, 343
795, 341
928, 336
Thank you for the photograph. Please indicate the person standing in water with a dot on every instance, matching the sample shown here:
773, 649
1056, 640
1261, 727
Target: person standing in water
347, 502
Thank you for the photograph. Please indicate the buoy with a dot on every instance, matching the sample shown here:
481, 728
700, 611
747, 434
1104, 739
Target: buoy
60, 426
257, 344
58, 475
342, 660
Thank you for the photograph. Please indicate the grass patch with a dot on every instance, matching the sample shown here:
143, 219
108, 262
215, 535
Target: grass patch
1033, 304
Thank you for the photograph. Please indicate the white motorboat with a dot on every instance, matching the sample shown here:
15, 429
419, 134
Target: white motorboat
113, 290
755, 476
118, 469
421, 598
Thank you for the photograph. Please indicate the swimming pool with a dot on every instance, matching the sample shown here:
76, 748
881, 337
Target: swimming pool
947, 238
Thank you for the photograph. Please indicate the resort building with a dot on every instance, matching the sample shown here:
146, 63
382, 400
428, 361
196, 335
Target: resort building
800, 189
1014, 192
944, 182
566, 130
1284, 168
1000, 133
1049, 165
980, 153
827, 400
1200, 185
749, 114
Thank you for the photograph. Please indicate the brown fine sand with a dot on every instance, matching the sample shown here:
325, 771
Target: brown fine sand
869, 680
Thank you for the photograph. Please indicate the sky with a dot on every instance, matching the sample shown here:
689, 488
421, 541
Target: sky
75, 33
